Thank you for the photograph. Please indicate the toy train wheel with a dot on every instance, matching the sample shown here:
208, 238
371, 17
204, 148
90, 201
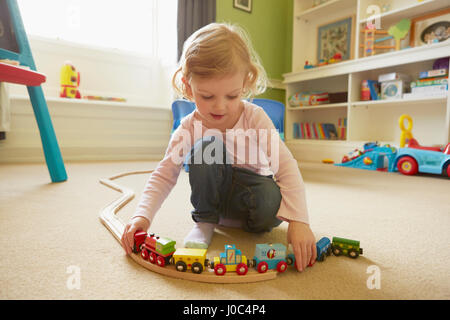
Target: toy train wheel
289, 261
160, 261
353, 253
447, 170
220, 269
144, 254
181, 266
281, 266
262, 267
337, 251
152, 257
241, 269
197, 268
407, 166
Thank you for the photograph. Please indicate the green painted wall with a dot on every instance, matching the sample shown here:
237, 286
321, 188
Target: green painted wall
270, 28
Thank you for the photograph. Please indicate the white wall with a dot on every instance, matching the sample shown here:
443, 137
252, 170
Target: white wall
91, 130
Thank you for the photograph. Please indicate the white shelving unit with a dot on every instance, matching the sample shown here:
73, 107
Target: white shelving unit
366, 120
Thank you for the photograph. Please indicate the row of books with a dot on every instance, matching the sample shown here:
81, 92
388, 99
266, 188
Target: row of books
320, 131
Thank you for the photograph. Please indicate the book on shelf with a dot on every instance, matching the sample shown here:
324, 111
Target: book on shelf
430, 89
433, 73
319, 131
429, 82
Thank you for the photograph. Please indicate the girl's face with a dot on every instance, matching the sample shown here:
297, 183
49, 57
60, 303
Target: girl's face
218, 99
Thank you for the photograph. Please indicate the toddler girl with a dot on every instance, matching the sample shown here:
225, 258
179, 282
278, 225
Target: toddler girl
241, 173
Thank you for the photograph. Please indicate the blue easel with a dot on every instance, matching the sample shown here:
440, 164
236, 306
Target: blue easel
18, 39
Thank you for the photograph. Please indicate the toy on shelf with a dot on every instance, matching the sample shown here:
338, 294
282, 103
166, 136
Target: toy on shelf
399, 31
393, 85
308, 99
371, 42
336, 58
100, 98
370, 90
308, 65
70, 80
348, 247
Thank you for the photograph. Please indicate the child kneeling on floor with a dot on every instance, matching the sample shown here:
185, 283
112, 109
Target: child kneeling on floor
255, 188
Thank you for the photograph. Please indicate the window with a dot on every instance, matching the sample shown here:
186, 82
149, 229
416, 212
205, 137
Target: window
143, 26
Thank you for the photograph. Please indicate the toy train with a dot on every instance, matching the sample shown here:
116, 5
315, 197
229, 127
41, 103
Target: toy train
162, 251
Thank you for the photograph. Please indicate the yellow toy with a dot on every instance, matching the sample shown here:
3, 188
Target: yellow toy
190, 259
406, 134
230, 260
70, 80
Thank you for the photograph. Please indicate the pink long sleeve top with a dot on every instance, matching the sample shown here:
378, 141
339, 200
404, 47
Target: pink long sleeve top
253, 143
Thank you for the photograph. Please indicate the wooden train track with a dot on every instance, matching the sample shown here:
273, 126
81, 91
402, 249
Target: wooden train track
116, 227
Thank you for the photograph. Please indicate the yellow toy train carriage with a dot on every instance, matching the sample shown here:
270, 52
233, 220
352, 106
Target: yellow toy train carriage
190, 259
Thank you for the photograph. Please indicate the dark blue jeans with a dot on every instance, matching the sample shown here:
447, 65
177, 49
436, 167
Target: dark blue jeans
220, 190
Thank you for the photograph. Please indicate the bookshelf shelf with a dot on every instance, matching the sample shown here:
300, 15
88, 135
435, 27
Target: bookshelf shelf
365, 120
319, 107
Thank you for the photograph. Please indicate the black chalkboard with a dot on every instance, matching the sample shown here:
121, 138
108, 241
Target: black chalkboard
7, 35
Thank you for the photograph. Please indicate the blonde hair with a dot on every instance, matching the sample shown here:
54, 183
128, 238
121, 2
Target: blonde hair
220, 49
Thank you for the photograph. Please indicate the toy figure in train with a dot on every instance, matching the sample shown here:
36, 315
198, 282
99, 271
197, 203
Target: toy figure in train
69, 81
156, 249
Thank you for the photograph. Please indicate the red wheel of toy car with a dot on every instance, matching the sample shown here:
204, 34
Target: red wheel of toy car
220, 269
241, 269
160, 261
408, 166
281, 266
262, 267
152, 257
144, 254
448, 170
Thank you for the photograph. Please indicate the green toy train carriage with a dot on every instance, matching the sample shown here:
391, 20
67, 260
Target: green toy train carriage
347, 247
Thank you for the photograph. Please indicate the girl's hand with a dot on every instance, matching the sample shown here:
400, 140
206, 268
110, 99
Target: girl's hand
303, 243
135, 224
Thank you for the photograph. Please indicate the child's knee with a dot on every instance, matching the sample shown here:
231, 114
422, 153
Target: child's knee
262, 218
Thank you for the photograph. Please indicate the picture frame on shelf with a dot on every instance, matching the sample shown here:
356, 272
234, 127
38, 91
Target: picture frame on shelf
336, 38
245, 5
430, 28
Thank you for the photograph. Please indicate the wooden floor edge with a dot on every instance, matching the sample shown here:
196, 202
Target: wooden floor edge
115, 226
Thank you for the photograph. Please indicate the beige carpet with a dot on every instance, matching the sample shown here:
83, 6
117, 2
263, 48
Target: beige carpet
50, 231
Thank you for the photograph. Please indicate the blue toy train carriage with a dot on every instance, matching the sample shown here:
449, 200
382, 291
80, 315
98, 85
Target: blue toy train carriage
272, 256
323, 247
